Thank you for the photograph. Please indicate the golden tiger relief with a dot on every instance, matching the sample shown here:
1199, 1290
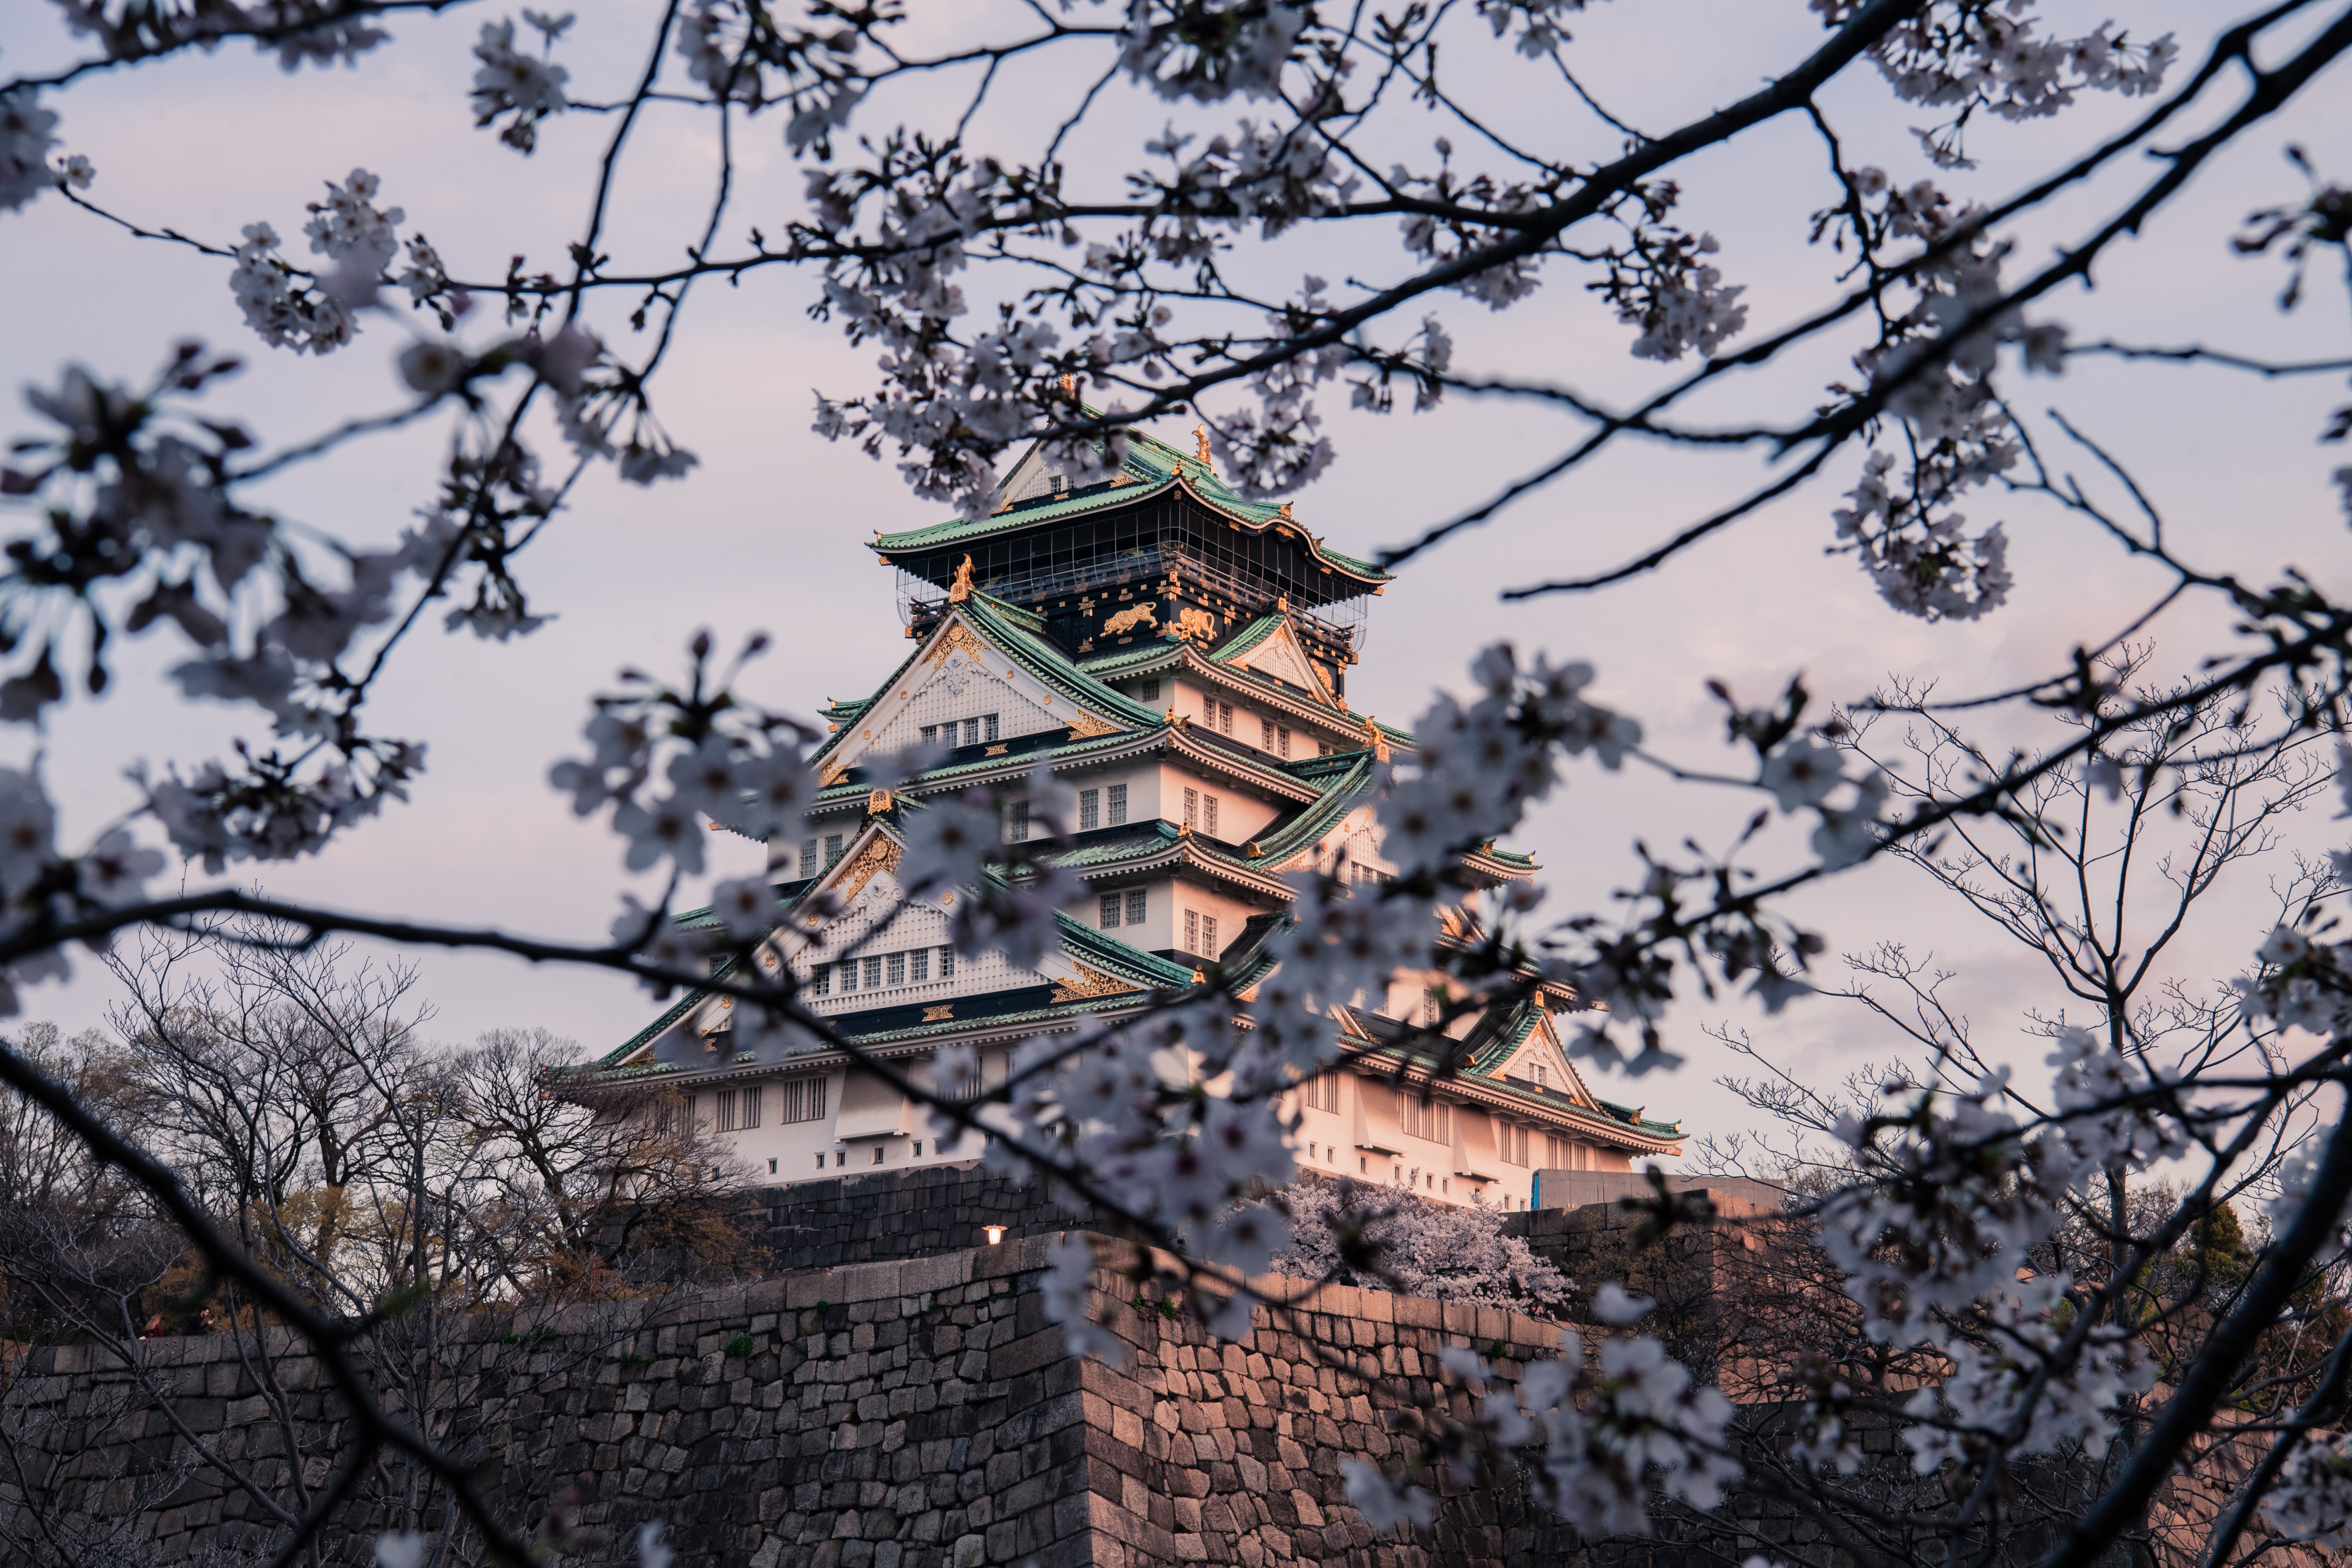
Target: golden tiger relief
1197, 624
1128, 620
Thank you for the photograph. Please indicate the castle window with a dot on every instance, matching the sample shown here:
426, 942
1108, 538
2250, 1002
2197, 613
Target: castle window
832, 848
1019, 829
1191, 808
1090, 810
1200, 934
1117, 803
804, 1101
930, 734
1542, 1079
947, 964
739, 1110
1225, 718
821, 980
1282, 742
1208, 815
849, 974
874, 973
808, 857
972, 732
918, 965
1148, 691
878, 1154
1432, 1119
1111, 907
1135, 906
988, 726
897, 969
1266, 734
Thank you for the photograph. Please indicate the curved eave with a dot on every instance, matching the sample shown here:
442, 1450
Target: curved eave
1255, 516
1262, 519
1189, 854
1597, 1125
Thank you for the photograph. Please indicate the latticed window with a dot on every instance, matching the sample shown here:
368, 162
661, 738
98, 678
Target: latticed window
918, 965
874, 973
803, 1101
947, 964
1136, 906
1110, 908
808, 857
1117, 803
1019, 832
897, 962
1090, 810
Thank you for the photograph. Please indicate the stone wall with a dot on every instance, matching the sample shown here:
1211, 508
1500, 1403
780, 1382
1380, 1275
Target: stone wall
918, 1413
919, 1212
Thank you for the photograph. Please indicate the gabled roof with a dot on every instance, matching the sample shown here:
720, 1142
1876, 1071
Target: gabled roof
1385, 1042
1152, 469
1013, 633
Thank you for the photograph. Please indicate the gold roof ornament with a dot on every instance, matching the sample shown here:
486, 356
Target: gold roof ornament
878, 802
1379, 742
1069, 386
961, 589
1200, 434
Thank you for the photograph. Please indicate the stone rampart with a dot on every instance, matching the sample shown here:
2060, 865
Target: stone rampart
913, 1212
920, 1412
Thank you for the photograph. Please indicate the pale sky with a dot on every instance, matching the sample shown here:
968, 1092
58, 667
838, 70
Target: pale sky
768, 533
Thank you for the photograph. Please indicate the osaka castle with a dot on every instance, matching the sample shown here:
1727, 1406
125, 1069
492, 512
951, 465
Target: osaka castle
1178, 656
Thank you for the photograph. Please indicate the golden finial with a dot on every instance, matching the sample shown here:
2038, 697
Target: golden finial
878, 802
1069, 386
1200, 434
1379, 742
961, 589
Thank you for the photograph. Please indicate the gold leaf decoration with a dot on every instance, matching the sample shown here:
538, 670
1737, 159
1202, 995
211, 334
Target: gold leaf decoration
1091, 983
1086, 727
881, 855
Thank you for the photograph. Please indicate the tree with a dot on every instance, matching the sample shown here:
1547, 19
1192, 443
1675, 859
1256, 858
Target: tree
393, 1188
1013, 294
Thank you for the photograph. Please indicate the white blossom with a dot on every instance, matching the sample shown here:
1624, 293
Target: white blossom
401, 1548
27, 131
667, 827
28, 825
746, 906
531, 87
2312, 1498
1067, 1290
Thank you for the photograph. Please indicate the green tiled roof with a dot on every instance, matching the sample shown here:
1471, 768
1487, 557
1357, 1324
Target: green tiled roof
1152, 466
1248, 638
1008, 627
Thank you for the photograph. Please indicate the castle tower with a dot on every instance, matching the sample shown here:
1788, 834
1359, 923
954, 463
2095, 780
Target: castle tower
1178, 656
